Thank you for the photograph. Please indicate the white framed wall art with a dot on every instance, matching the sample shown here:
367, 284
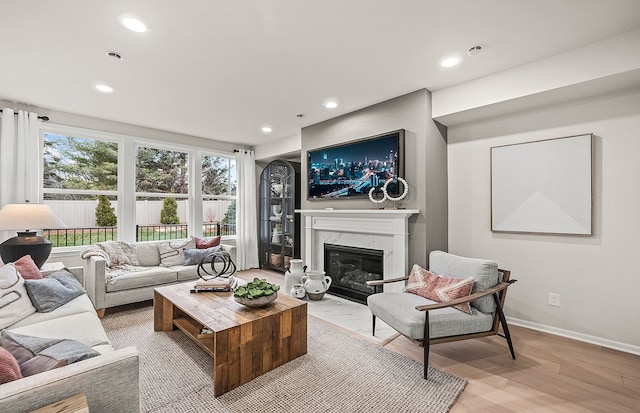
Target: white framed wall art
543, 186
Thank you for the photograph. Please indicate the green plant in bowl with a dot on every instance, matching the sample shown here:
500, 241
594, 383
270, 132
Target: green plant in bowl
257, 293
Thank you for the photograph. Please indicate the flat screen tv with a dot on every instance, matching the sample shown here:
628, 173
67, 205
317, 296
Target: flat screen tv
350, 170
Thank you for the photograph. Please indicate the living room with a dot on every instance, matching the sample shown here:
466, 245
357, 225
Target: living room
587, 84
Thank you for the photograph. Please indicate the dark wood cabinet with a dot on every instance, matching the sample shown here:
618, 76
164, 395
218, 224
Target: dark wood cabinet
279, 224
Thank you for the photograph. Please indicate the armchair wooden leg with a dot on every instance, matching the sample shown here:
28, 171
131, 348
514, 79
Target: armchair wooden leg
505, 328
425, 345
373, 324
100, 312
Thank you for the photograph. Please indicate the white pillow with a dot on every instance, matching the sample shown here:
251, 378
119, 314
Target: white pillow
171, 251
14, 300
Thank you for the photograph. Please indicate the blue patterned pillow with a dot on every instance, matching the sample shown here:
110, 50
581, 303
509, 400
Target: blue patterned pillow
195, 256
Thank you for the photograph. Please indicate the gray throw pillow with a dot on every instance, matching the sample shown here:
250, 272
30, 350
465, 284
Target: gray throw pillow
195, 256
53, 291
36, 354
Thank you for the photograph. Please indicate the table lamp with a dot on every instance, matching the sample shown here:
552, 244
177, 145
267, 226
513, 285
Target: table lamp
20, 216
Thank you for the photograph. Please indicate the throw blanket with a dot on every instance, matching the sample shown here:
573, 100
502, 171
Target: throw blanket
121, 257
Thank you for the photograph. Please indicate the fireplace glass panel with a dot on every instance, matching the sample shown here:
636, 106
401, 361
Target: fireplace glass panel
350, 268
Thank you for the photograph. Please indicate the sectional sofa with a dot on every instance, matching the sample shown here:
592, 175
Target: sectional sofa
110, 380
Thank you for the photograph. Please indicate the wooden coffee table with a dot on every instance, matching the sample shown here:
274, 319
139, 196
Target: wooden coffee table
244, 342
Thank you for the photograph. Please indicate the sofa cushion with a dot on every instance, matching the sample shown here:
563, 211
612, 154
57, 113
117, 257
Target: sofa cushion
484, 272
171, 252
14, 300
186, 273
439, 288
53, 291
399, 311
36, 354
9, 367
78, 305
145, 278
83, 327
28, 268
195, 256
148, 254
203, 244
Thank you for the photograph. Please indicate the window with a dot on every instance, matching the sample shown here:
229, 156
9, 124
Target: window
78, 173
106, 186
162, 194
219, 186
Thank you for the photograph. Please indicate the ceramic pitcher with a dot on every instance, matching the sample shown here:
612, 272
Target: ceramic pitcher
293, 275
315, 282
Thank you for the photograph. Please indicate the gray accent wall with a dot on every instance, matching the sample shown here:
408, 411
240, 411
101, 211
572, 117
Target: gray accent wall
425, 155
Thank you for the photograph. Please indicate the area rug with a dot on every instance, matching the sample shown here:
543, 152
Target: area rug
339, 373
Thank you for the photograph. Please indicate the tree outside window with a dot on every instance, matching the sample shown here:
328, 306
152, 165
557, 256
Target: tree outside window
219, 186
77, 171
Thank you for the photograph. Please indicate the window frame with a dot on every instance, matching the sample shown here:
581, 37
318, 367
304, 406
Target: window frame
126, 193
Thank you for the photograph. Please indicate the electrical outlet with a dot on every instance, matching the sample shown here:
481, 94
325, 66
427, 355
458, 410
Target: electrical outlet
554, 299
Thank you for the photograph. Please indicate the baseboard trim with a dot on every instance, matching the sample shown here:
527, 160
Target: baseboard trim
615, 345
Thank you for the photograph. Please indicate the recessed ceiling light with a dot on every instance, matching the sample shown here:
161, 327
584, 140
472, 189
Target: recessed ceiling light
450, 62
332, 104
266, 129
104, 88
134, 24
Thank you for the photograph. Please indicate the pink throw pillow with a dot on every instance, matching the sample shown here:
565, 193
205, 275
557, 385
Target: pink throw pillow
438, 288
203, 244
28, 268
9, 368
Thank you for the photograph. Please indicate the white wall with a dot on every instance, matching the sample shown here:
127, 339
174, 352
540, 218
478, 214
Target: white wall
596, 276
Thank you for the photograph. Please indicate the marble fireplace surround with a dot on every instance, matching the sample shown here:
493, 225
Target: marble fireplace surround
380, 229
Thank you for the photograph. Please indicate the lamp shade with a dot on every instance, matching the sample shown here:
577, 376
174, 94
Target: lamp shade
24, 218
28, 216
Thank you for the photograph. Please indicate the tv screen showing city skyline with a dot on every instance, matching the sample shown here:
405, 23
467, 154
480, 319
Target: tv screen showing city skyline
352, 169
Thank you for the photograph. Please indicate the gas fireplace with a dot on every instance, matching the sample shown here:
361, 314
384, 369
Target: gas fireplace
350, 268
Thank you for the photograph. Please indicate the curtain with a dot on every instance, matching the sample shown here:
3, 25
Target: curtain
246, 212
20, 162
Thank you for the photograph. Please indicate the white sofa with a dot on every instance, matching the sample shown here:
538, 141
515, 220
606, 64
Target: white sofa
139, 285
110, 380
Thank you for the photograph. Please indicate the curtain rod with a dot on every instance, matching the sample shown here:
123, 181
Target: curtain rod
42, 118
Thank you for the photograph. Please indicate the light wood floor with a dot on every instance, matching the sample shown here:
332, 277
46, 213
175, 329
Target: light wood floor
550, 373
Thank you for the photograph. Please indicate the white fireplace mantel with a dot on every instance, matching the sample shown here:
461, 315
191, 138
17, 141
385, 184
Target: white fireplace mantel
381, 229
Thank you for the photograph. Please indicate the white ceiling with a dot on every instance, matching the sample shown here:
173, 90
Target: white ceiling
223, 69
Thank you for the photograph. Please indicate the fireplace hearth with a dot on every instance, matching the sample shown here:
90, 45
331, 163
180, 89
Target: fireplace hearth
350, 268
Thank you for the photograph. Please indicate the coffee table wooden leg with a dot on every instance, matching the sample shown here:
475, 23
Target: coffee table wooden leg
162, 313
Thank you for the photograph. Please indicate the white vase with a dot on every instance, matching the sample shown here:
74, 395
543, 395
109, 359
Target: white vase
316, 283
293, 275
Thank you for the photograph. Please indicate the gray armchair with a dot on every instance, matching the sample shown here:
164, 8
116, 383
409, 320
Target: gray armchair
428, 322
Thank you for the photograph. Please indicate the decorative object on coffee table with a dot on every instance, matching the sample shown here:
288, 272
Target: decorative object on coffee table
257, 293
221, 266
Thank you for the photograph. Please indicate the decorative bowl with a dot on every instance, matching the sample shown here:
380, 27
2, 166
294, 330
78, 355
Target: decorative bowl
257, 302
